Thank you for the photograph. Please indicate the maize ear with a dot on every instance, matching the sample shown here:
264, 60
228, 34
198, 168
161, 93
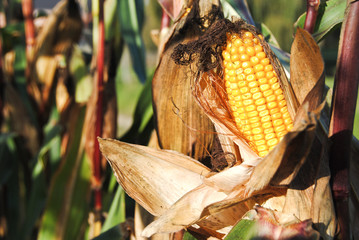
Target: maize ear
255, 97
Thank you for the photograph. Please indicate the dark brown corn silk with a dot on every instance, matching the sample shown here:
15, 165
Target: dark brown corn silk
180, 123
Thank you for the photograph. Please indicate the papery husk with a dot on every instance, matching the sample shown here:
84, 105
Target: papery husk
156, 179
180, 123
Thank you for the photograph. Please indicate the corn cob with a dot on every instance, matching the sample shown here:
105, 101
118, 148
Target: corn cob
254, 94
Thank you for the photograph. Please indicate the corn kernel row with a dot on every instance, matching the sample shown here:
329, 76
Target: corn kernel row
254, 93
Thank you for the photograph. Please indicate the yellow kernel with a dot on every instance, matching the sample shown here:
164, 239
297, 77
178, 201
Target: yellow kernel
264, 87
254, 90
257, 95
265, 119
275, 86
254, 60
282, 103
279, 128
235, 92
255, 125
252, 84
286, 115
232, 79
238, 42
278, 92
269, 74
248, 71
268, 92
240, 110
269, 136
258, 48
262, 153
281, 134
250, 108
284, 109
246, 127
274, 111
268, 130
244, 90
252, 114
258, 137
261, 55
260, 142
265, 61
261, 108
247, 42
233, 86
247, 34
254, 119
236, 65
233, 51
242, 49
247, 102
287, 121
262, 148
258, 68
263, 113
260, 74
238, 102
241, 77
267, 125
250, 77
277, 122
273, 80
235, 57
271, 98
268, 68
246, 64
260, 101
231, 72
244, 57
257, 131
246, 96
250, 51
242, 83
242, 116
272, 142
263, 80
272, 105
232, 102
276, 116
226, 55
255, 40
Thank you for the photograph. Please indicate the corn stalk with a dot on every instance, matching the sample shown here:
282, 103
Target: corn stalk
312, 12
99, 110
27, 9
343, 111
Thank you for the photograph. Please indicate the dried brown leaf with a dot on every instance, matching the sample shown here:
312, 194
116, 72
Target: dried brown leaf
180, 123
156, 179
306, 69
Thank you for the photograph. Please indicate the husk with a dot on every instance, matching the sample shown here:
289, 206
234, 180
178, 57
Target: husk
156, 179
180, 123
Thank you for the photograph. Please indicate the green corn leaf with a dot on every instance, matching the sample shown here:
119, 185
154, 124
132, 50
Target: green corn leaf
142, 117
242, 231
330, 14
116, 215
68, 201
131, 22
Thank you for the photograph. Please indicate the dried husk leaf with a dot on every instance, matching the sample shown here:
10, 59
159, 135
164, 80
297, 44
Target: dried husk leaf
156, 179
180, 123
306, 66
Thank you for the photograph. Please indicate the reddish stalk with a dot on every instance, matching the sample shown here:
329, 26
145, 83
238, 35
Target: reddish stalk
99, 108
343, 112
27, 11
312, 12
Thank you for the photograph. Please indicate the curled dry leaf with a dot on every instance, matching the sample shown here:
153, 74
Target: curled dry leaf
154, 178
